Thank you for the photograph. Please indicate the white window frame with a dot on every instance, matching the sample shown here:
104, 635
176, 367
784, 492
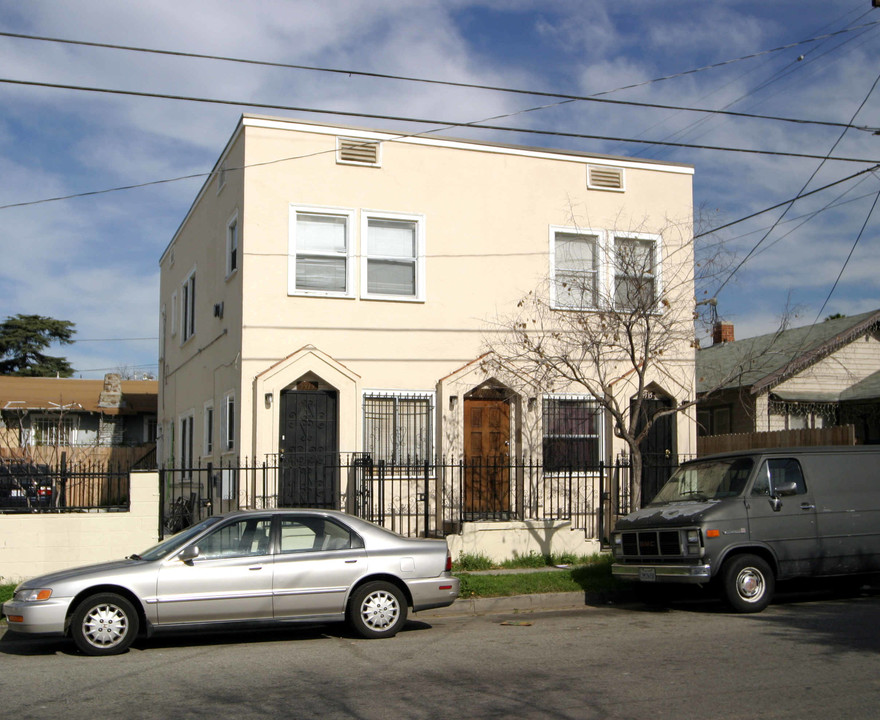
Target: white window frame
349, 215
657, 242
418, 258
599, 236
227, 430
233, 245
208, 429
188, 307
49, 424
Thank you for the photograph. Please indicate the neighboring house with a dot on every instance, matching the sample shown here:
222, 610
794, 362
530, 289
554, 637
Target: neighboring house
811, 377
84, 418
330, 289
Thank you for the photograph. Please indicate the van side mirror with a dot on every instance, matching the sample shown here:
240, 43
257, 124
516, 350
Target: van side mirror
189, 554
786, 488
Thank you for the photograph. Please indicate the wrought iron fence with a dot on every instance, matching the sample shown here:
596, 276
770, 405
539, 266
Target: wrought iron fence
416, 499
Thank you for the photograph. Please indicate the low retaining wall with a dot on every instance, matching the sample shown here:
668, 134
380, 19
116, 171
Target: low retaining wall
34, 544
501, 541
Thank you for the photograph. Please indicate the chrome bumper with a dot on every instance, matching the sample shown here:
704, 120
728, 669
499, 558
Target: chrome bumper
662, 573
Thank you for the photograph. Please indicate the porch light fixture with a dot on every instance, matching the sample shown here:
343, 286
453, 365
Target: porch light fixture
268, 399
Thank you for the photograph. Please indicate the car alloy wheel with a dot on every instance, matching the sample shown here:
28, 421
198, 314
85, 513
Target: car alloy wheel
377, 610
104, 624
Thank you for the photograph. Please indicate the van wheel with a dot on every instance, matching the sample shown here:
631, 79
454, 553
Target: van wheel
104, 624
747, 583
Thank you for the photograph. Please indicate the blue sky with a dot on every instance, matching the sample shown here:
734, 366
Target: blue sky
94, 260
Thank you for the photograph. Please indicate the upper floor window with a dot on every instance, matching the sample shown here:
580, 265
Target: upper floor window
393, 249
574, 270
188, 308
635, 273
320, 252
232, 246
572, 430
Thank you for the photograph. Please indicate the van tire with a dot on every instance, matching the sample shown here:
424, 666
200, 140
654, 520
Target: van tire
748, 583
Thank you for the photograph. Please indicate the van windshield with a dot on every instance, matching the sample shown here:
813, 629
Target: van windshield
710, 480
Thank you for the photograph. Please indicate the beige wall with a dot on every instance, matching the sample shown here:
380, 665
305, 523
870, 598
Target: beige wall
505, 540
487, 213
35, 544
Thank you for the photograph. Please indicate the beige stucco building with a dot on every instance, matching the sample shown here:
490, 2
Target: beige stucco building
331, 290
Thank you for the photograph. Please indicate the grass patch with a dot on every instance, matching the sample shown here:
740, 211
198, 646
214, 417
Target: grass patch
6, 591
587, 574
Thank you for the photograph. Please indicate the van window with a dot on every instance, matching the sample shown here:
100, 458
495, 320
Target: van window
777, 471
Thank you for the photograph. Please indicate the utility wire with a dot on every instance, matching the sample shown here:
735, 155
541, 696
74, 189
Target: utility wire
800, 196
596, 97
806, 184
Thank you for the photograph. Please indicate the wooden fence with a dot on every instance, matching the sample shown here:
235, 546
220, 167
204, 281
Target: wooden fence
838, 435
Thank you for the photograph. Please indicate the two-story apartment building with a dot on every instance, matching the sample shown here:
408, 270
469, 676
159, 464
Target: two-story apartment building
331, 290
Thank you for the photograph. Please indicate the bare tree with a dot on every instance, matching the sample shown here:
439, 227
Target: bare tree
615, 320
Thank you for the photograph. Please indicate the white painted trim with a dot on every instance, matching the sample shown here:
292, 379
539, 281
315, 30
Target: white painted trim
267, 123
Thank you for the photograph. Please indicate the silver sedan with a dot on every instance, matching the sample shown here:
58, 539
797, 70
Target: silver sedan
249, 566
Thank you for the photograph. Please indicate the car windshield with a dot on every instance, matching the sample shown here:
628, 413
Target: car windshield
170, 545
710, 480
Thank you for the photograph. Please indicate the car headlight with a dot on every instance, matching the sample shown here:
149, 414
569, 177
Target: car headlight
33, 594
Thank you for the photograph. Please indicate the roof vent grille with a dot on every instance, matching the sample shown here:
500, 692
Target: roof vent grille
356, 151
605, 178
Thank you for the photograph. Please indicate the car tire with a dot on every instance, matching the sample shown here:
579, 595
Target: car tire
377, 610
747, 583
104, 624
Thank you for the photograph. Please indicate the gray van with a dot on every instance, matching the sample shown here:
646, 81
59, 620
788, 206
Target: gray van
746, 519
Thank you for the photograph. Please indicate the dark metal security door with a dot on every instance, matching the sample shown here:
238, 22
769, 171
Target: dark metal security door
309, 449
659, 456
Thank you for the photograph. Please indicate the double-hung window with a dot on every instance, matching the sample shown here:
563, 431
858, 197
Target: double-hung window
574, 269
398, 427
188, 308
393, 256
187, 425
572, 433
320, 252
635, 273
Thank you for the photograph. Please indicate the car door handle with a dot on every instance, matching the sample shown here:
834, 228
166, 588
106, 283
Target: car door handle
256, 567
350, 562
807, 506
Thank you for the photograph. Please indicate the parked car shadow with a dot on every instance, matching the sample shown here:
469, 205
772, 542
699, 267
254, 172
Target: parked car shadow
12, 643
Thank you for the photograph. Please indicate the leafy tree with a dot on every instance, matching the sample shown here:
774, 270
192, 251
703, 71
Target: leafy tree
23, 338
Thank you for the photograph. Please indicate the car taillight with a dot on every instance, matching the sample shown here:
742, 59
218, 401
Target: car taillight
448, 561
44, 491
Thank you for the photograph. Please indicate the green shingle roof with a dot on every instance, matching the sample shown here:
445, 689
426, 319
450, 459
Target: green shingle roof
761, 362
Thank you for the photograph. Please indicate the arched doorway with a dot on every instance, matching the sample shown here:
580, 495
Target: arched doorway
309, 445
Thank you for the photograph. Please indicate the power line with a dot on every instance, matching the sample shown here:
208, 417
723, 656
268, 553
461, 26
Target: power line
785, 202
494, 88
446, 123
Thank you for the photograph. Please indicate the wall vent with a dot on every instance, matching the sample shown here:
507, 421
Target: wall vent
605, 178
355, 151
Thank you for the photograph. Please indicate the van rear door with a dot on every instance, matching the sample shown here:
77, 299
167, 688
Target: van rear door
784, 522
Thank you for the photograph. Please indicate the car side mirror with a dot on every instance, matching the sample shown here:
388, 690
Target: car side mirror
188, 554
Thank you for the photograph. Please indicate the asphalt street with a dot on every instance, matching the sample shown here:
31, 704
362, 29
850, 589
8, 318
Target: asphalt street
812, 655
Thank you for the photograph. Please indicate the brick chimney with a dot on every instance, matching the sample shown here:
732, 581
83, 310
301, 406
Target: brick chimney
722, 332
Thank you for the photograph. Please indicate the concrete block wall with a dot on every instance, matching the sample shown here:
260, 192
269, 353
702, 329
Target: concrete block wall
34, 544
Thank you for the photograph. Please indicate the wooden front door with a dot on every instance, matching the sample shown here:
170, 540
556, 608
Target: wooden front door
309, 449
487, 451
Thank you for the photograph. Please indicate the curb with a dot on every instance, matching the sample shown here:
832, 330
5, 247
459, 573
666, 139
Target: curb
524, 604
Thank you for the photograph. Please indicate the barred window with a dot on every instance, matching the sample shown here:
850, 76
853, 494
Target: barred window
398, 427
572, 433
53, 430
